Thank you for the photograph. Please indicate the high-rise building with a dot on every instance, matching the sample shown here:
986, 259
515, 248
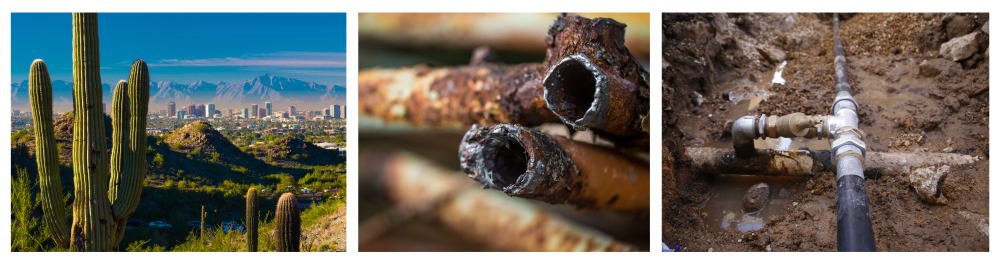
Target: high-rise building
211, 110
336, 111
267, 105
17, 113
291, 110
285, 115
326, 112
171, 109
345, 112
163, 112
246, 113
261, 113
181, 113
201, 110
333, 110
191, 110
253, 110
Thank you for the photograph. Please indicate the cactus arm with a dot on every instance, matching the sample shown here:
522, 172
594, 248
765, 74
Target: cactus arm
93, 225
251, 222
119, 121
287, 224
126, 187
46, 154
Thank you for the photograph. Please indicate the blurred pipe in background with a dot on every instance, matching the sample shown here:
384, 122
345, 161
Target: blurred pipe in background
483, 216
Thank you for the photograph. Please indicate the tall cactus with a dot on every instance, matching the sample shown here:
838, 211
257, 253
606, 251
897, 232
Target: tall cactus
201, 230
252, 221
287, 224
102, 202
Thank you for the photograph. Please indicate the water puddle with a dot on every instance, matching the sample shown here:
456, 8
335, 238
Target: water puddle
724, 211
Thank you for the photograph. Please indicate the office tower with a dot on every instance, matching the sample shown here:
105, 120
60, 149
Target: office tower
267, 105
201, 110
17, 113
246, 113
285, 115
336, 111
211, 110
291, 110
345, 112
171, 109
181, 113
261, 113
190, 110
326, 112
253, 110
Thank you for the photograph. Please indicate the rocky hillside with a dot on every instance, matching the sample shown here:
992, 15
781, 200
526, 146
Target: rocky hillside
292, 152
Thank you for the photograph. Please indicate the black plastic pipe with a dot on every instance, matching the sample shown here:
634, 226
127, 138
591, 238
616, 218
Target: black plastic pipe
854, 220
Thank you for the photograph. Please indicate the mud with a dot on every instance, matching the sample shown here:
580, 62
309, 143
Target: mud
902, 110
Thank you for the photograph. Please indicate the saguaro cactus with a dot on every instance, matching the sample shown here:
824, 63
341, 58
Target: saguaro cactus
252, 220
102, 202
202, 224
286, 224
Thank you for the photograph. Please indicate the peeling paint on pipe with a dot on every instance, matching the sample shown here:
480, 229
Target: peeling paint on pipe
527, 163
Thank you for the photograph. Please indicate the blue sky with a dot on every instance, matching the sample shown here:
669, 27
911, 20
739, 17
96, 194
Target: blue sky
188, 47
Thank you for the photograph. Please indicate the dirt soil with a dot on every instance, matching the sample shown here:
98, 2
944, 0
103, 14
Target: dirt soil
943, 107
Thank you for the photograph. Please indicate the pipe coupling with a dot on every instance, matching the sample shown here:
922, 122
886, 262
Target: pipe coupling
844, 100
848, 145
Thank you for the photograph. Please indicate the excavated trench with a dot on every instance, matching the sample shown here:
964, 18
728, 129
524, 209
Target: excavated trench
904, 108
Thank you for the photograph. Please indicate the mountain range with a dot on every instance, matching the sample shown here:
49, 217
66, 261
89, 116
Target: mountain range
280, 91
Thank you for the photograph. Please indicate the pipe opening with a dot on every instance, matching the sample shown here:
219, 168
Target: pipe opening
571, 86
509, 161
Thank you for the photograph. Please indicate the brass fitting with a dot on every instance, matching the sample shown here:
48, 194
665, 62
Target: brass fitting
792, 125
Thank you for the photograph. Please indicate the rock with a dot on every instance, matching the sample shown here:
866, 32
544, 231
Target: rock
971, 62
986, 28
697, 98
932, 36
963, 99
929, 16
711, 249
982, 18
768, 248
756, 197
784, 194
926, 182
959, 26
895, 50
952, 103
772, 54
934, 67
960, 48
784, 24
947, 149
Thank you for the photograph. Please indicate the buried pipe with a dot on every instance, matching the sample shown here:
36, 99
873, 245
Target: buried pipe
588, 80
528, 163
772, 162
847, 152
482, 216
854, 221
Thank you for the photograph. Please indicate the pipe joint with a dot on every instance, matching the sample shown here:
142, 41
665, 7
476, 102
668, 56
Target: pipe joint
848, 145
844, 100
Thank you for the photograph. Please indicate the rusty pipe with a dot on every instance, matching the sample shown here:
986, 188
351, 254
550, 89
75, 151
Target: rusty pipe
485, 93
598, 85
808, 162
483, 216
579, 51
528, 163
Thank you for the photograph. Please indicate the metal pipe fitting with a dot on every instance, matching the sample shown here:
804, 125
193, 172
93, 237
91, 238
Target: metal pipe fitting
527, 163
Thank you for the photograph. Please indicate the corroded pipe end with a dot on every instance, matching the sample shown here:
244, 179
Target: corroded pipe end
518, 161
577, 91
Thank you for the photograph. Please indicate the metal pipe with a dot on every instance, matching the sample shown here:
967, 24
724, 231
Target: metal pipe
528, 163
809, 162
589, 80
483, 216
854, 224
598, 85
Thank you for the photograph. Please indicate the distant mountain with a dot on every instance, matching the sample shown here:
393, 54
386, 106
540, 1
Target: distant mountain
280, 91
